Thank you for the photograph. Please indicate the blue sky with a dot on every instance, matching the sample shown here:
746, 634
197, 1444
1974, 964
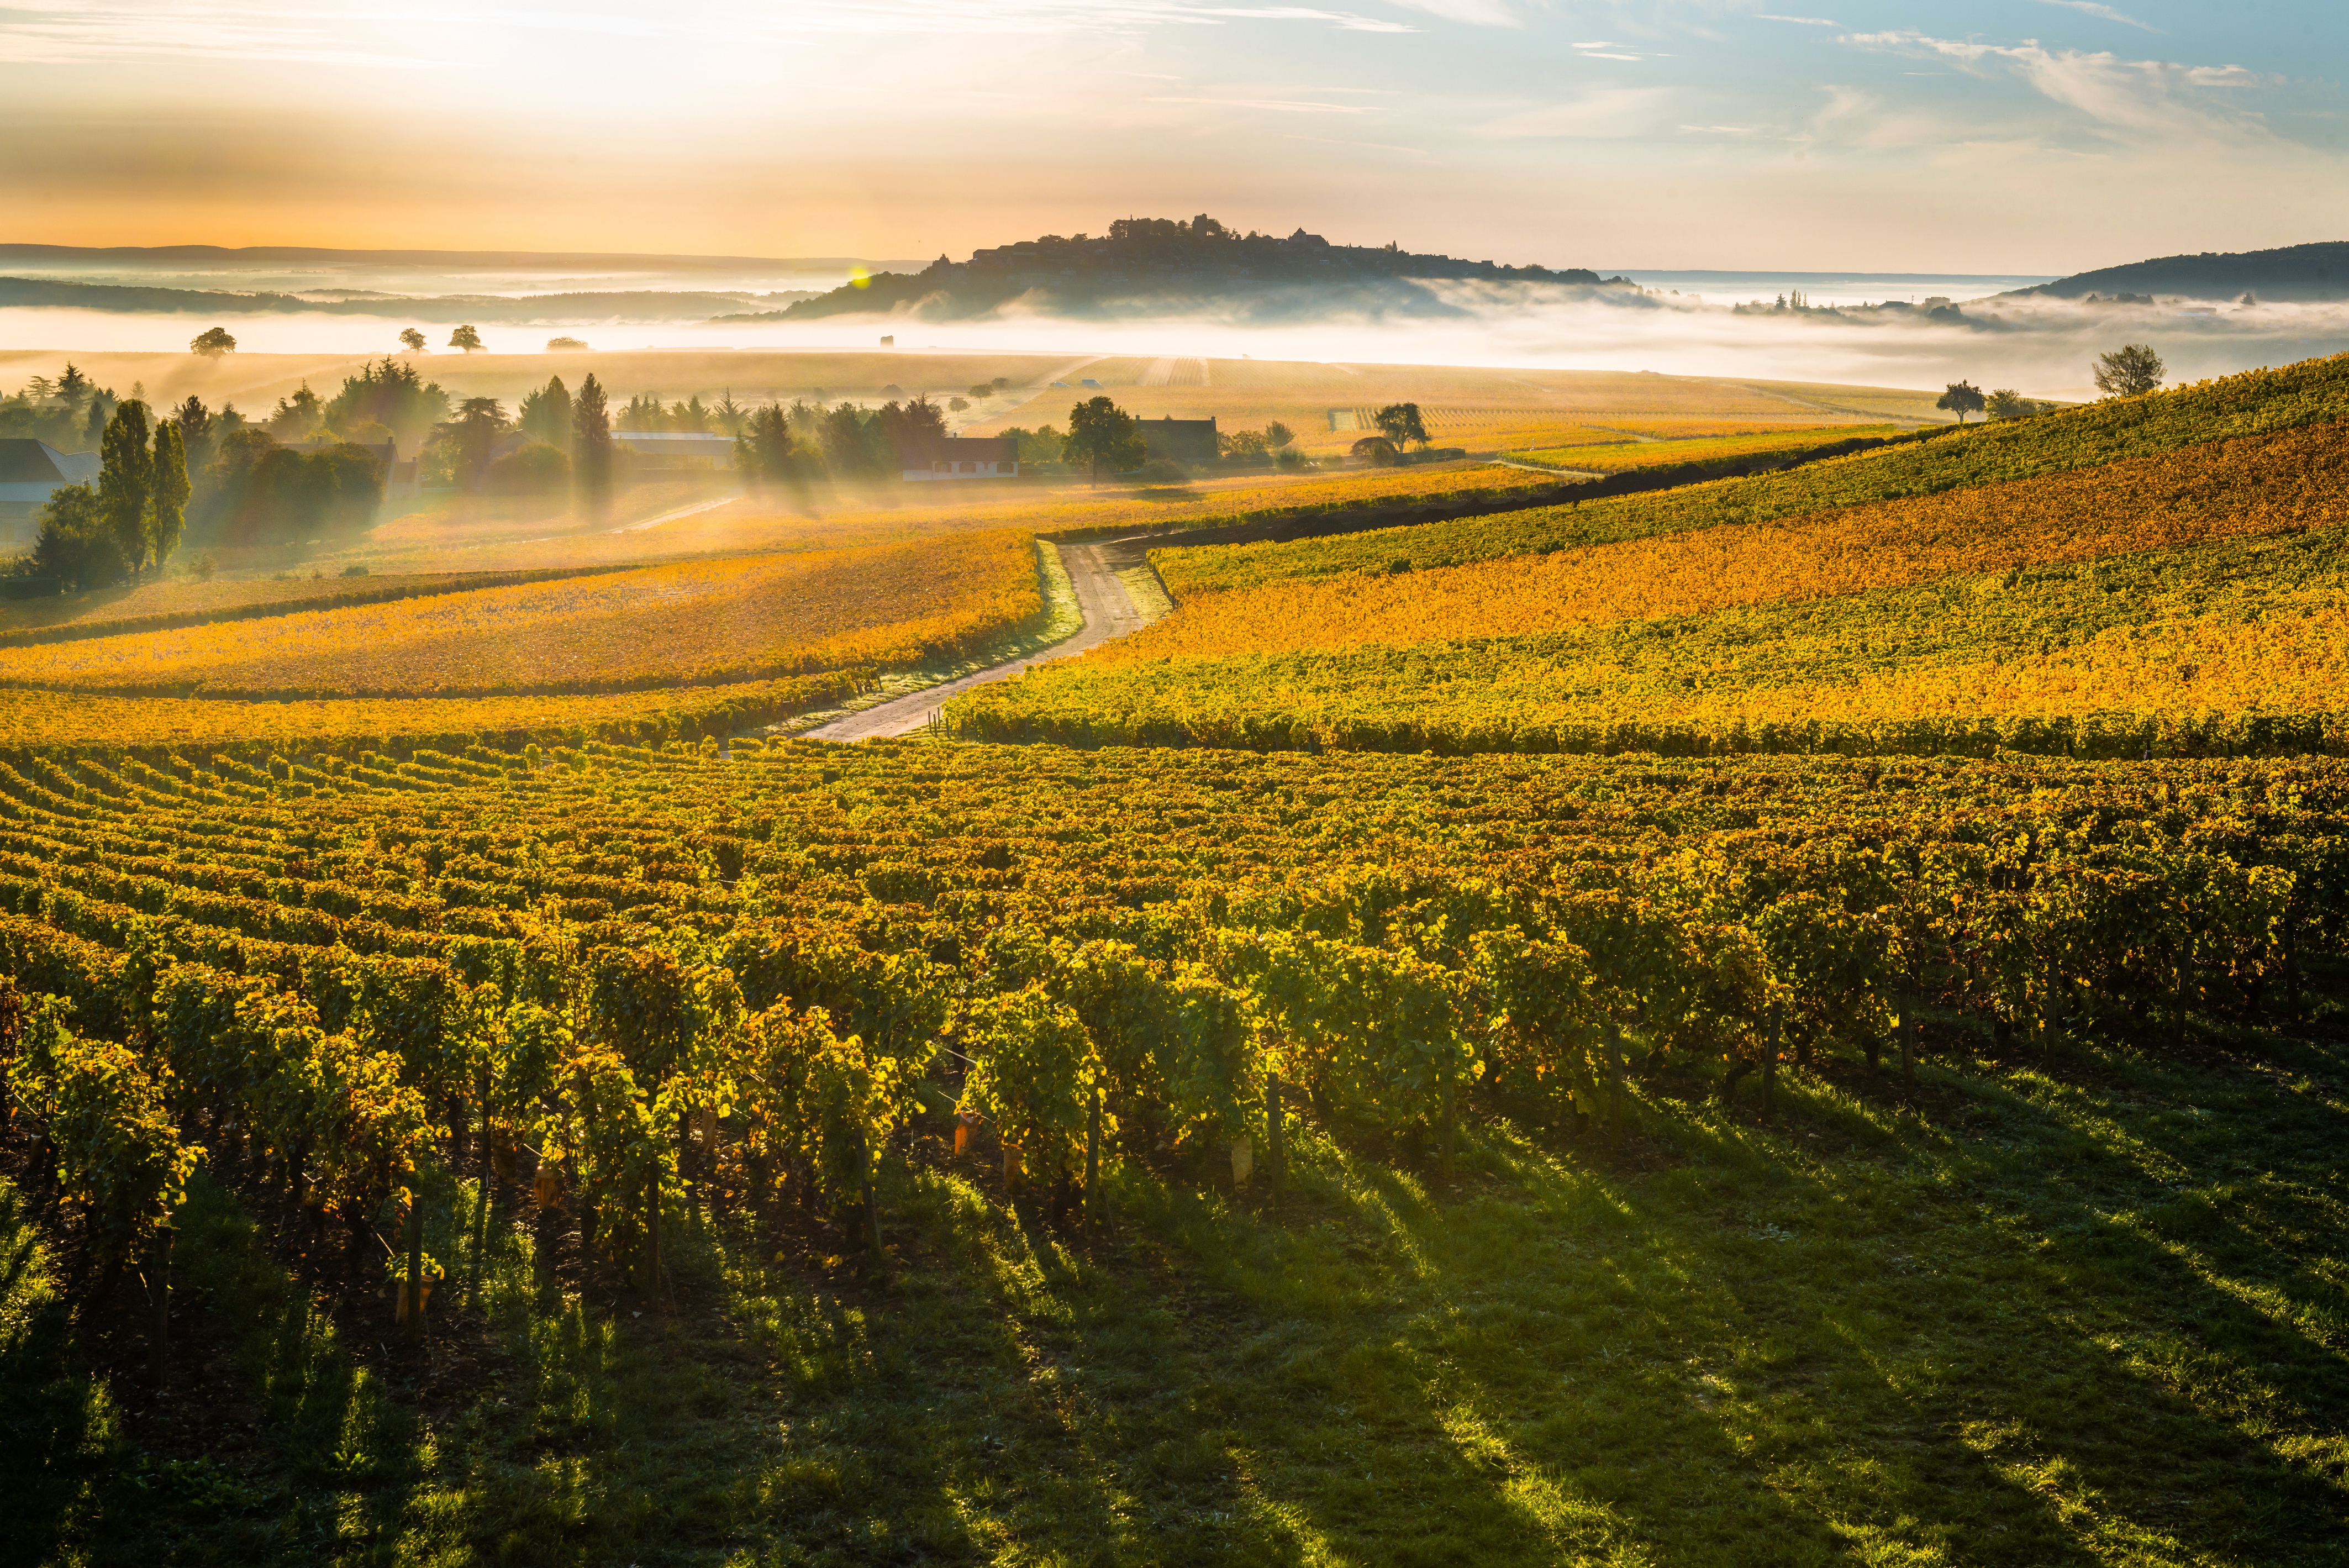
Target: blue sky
2009, 135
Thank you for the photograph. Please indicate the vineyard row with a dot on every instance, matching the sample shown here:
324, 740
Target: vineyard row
644, 975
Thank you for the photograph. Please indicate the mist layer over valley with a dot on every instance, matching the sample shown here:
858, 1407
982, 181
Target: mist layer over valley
1138, 293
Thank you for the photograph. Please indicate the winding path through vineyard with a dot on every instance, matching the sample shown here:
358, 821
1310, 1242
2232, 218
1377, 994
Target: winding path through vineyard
1109, 612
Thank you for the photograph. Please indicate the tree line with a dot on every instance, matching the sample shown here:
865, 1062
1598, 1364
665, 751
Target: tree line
2129, 372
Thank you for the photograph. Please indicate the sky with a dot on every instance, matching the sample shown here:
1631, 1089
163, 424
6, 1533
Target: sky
2007, 136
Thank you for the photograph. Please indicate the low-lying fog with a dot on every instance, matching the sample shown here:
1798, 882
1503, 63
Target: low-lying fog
2038, 346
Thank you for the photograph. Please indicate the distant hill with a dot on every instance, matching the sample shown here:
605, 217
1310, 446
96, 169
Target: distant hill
548, 309
2312, 272
1160, 265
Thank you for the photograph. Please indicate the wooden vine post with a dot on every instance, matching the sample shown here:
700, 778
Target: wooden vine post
1616, 1110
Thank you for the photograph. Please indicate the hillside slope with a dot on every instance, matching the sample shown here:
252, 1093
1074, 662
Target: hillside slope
2312, 272
1158, 266
2181, 600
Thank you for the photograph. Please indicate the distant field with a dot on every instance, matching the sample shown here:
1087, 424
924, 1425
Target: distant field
1618, 457
485, 534
146, 606
1330, 406
686, 625
1873, 403
1241, 393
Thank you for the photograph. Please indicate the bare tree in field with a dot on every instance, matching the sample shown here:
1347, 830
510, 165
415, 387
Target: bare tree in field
2129, 372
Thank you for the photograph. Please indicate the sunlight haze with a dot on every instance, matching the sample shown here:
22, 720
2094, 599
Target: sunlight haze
2018, 135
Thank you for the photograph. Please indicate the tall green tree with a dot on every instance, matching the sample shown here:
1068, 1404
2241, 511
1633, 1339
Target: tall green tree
213, 342
845, 450
545, 414
412, 340
474, 435
591, 440
390, 394
1103, 436
297, 415
73, 386
76, 545
465, 337
167, 508
126, 482
195, 422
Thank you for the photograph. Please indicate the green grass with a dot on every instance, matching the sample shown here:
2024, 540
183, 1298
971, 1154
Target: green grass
2089, 1311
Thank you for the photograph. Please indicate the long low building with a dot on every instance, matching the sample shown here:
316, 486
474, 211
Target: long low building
1180, 441
682, 449
961, 457
29, 471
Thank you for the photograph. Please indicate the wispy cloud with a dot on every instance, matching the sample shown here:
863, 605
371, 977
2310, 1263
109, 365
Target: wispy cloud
2158, 96
157, 29
1799, 21
83, 35
2103, 12
1475, 13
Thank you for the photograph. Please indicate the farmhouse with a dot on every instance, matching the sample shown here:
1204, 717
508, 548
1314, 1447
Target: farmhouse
961, 457
1180, 441
29, 471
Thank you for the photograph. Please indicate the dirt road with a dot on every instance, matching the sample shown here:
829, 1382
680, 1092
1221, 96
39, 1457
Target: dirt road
1109, 612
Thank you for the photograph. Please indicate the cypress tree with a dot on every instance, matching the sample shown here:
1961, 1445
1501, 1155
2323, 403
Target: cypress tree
126, 481
591, 424
167, 509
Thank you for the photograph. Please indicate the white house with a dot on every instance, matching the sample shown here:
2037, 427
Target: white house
29, 471
962, 457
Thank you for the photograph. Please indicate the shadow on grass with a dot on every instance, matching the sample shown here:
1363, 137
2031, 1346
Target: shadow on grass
1968, 1347
2062, 1318
56, 1426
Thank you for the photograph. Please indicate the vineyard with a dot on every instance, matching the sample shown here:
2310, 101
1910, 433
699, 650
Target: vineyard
2291, 482
2232, 649
1787, 1019
693, 624
599, 1011
2257, 403
1699, 445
